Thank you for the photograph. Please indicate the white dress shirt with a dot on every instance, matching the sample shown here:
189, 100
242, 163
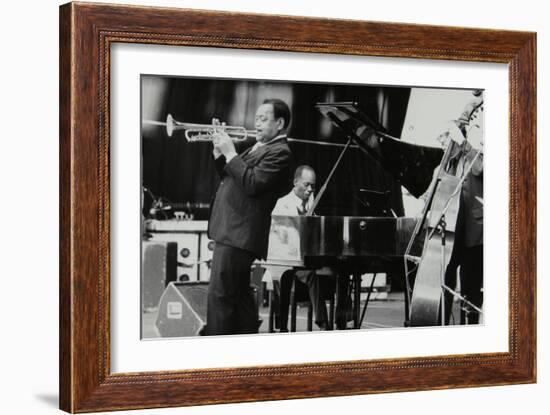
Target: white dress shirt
291, 205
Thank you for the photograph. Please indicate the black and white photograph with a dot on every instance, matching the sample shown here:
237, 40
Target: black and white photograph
275, 206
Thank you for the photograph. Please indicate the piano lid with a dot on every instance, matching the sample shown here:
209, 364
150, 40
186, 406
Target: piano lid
411, 165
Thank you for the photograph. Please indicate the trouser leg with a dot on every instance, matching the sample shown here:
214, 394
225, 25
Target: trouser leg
343, 304
231, 308
313, 283
471, 279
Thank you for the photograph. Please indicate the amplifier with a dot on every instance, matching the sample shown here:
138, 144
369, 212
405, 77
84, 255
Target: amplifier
182, 309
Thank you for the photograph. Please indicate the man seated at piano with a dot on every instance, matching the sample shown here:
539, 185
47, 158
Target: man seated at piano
298, 202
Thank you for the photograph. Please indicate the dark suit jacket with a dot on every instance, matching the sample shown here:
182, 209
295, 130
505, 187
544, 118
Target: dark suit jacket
250, 185
471, 211
469, 224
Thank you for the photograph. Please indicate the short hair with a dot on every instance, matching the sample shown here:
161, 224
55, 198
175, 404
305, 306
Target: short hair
300, 169
280, 109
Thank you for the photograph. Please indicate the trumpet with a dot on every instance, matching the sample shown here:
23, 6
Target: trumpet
205, 132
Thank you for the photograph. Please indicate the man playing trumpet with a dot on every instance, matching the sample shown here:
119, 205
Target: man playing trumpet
240, 217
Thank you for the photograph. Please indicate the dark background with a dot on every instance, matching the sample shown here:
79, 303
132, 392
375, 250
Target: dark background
181, 172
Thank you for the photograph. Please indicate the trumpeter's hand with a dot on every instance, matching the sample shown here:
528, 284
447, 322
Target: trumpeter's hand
223, 143
216, 152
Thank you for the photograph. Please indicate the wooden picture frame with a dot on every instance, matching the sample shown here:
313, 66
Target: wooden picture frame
86, 33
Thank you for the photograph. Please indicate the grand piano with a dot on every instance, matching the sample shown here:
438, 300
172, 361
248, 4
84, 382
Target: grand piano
355, 245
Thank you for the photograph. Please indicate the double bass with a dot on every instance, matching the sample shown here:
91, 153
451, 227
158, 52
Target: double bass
425, 275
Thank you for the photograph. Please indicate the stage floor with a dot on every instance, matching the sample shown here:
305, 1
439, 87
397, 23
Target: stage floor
386, 313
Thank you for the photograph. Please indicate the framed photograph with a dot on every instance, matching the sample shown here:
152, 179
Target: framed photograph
254, 215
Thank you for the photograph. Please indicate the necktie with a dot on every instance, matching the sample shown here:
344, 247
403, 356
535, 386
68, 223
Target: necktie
302, 209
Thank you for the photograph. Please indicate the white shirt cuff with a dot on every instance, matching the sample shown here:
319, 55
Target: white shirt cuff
229, 156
